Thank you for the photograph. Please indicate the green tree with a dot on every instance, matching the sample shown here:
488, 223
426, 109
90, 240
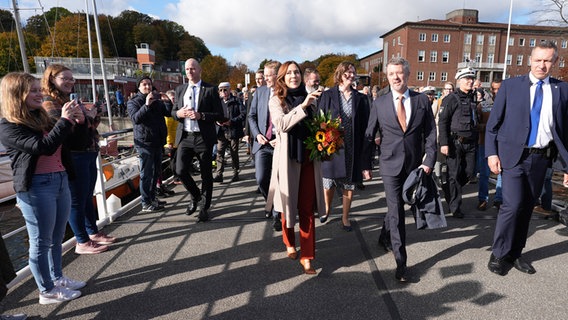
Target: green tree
192, 47
7, 22
123, 26
329, 63
215, 69
10, 57
37, 24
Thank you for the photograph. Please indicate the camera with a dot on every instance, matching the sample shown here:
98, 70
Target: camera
74, 96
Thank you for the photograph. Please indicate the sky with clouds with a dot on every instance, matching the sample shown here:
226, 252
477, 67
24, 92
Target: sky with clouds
249, 31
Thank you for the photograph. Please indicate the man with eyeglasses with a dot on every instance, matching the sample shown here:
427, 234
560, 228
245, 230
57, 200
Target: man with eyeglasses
230, 131
262, 133
458, 135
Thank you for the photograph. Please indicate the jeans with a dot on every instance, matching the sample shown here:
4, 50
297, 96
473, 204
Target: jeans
483, 191
83, 218
150, 169
45, 207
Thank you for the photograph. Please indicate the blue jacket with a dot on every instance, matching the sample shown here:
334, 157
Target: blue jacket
421, 192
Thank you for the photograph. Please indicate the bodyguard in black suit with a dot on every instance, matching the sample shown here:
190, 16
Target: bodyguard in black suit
528, 125
407, 132
197, 107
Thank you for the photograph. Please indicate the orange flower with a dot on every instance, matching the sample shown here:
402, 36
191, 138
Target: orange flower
320, 147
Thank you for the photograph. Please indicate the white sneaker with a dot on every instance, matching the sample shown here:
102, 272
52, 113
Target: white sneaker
57, 295
70, 284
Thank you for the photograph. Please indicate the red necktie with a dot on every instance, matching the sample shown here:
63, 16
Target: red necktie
401, 113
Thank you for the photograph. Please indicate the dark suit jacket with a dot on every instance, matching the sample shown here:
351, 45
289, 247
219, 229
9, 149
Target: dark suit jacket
258, 115
330, 102
509, 123
402, 150
209, 104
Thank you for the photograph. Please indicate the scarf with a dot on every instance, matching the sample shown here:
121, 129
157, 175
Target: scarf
299, 133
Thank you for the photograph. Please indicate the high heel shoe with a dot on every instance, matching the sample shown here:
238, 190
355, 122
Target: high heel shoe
306, 264
292, 253
323, 219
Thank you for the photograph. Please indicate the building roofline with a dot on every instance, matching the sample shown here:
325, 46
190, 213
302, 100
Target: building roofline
371, 54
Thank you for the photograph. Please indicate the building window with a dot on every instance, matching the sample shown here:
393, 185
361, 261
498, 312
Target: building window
422, 37
421, 55
509, 58
479, 39
490, 58
433, 56
432, 76
492, 40
434, 37
466, 57
398, 39
467, 39
520, 60
522, 42
564, 44
478, 57
444, 76
447, 38
561, 63
393, 42
445, 57
420, 76
511, 41
532, 42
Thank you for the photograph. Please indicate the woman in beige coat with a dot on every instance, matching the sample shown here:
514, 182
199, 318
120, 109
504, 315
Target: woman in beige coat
296, 182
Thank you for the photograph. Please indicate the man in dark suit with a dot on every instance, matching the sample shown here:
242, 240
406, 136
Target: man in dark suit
197, 107
407, 131
527, 127
262, 133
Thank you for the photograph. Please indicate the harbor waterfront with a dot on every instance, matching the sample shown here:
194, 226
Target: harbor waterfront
167, 266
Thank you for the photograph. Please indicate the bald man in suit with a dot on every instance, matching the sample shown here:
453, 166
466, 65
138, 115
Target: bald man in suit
527, 128
407, 132
197, 107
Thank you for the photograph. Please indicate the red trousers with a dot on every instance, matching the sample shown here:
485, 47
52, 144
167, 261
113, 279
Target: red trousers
306, 204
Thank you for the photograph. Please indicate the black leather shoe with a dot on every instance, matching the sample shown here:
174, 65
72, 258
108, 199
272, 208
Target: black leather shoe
400, 274
523, 266
203, 216
235, 178
218, 178
499, 266
192, 207
267, 214
458, 215
385, 243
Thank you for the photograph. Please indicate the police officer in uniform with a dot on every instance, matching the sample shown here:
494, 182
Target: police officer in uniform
458, 136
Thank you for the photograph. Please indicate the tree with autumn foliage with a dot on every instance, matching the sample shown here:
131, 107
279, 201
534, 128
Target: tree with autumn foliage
215, 69
329, 63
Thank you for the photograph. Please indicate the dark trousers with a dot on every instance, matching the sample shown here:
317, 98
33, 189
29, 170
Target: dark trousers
394, 224
191, 145
150, 171
83, 217
222, 143
263, 168
461, 168
522, 185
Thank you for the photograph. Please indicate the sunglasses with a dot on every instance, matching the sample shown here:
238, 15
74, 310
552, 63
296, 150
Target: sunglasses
223, 90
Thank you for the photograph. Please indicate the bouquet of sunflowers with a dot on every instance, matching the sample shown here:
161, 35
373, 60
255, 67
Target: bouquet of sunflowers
326, 136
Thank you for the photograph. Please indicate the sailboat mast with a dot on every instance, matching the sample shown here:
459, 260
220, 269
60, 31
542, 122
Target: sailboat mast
20, 37
100, 45
91, 63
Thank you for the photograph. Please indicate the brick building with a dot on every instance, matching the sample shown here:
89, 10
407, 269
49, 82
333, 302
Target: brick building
436, 49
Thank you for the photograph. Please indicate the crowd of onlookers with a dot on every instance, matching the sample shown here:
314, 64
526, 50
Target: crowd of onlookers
52, 140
